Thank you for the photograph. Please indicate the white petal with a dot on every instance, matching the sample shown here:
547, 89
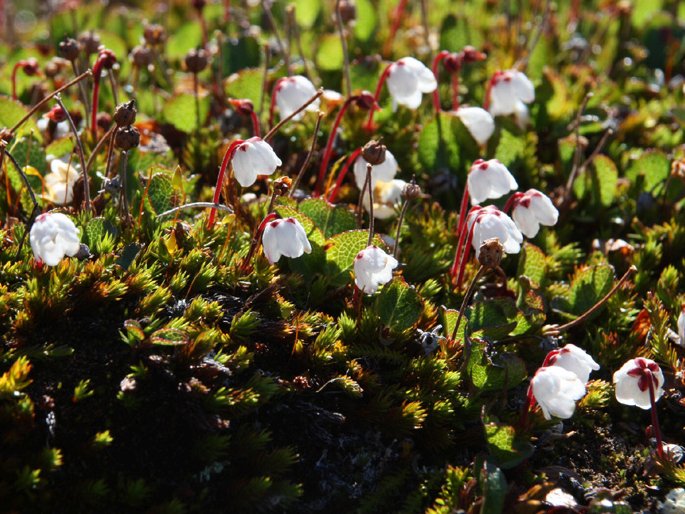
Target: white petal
478, 122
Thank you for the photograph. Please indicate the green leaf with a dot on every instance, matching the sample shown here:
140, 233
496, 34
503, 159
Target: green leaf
366, 22
493, 486
399, 306
169, 337
161, 193
654, 166
341, 249
329, 56
96, 230
306, 12
497, 372
588, 286
510, 147
11, 111
437, 148
494, 318
532, 264
600, 181
181, 112
448, 318
330, 219
247, 84
505, 448
28, 151
60, 148
185, 38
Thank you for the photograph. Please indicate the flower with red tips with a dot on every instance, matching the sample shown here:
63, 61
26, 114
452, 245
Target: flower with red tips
372, 269
251, 158
509, 93
489, 180
284, 237
408, 79
293, 92
532, 209
632, 382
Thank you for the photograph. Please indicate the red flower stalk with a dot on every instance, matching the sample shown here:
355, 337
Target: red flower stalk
341, 176
246, 108
384, 76
30, 67
272, 105
364, 100
220, 179
106, 59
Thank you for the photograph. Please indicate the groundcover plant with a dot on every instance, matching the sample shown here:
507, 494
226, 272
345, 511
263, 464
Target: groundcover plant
319, 256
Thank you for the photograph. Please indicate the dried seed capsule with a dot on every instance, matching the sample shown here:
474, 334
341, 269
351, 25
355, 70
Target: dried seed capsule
69, 48
196, 60
491, 252
141, 56
373, 152
348, 10
90, 42
154, 34
127, 138
125, 114
412, 191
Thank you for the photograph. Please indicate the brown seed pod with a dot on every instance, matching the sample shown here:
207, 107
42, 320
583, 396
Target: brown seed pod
142, 56
348, 11
196, 60
373, 152
90, 42
491, 252
127, 138
125, 114
69, 48
154, 34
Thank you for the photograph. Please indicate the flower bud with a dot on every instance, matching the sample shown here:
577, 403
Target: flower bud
127, 138
69, 48
30, 66
90, 42
154, 34
141, 56
243, 106
373, 152
470, 54
196, 60
365, 100
56, 114
282, 185
453, 62
348, 11
53, 67
125, 114
491, 252
107, 58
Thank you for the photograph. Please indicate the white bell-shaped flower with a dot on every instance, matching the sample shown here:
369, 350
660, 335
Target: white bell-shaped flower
253, 157
681, 326
533, 209
408, 79
632, 382
492, 223
489, 180
59, 183
574, 359
383, 172
53, 235
372, 269
478, 122
284, 237
556, 390
292, 93
386, 197
510, 91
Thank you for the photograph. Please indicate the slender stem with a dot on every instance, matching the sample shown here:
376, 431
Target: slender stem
488, 91
397, 19
403, 212
256, 238
82, 91
465, 301
655, 417
369, 123
15, 69
329, 144
79, 148
48, 98
256, 130
360, 205
460, 227
297, 180
266, 6
578, 152
99, 144
530, 405
24, 178
436, 64
556, 330
466, 252
197, 205
343, 42
220, 179
341, 176
94, 104
369, 168
196, 91
110, 154
285, 120
123, 195
426, 27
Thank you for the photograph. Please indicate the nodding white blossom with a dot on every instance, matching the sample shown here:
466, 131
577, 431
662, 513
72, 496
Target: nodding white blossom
253, 157
53, 235
510, 91
489, 180
681, 326
492, 223
386, 196
633, 379
372, 269
59, 183
556, 391
478, 122
284, 237
408, 79
574, 359
292, 93
532, 209
383, 172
